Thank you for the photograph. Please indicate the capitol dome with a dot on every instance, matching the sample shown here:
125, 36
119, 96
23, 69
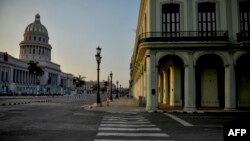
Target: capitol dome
36, 27
35, 45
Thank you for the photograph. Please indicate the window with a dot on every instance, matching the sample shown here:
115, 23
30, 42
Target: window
43, 40
34, 51
206, 19
29, 37
39, 38
34, 38
245, 18
171, 20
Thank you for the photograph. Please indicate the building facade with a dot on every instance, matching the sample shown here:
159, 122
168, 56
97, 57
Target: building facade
14, 74
192, 54
90, 87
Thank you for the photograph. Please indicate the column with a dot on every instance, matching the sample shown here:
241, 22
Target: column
14, 75
0, 75
11, 80
139, 85
189, 86
172, 86
141, 78
151, 81
165, 87
230, 86
145, 85
160, 91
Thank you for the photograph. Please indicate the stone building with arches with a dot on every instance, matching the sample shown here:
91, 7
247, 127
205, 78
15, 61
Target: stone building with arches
192, 54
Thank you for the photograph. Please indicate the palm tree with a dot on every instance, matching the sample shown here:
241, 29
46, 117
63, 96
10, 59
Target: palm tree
79, 81
36, 70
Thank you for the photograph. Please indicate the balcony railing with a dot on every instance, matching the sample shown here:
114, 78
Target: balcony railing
183, 36
243, 36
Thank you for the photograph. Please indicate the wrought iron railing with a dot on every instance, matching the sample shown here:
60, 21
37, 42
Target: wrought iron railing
183, 36
243, 36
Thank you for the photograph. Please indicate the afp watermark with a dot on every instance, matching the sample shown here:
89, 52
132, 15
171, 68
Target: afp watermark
236, 132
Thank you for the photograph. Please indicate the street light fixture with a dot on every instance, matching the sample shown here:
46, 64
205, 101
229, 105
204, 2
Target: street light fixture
111, 75
117, 89
98, 60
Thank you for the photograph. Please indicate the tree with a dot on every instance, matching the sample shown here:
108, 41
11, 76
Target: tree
79, 81
35, 69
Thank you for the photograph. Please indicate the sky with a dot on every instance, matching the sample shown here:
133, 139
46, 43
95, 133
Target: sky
76, 28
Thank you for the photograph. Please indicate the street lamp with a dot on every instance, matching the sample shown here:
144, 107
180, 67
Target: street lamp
98, 60
120, 90
117, 89
111, 75
111, 98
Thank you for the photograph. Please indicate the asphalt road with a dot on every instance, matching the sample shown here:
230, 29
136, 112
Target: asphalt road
65, 119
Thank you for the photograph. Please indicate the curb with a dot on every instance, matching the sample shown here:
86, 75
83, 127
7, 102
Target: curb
25, 102
178, 111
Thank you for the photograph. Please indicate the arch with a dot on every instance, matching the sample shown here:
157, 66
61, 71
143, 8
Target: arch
237, 55
222, 55
182, 56
209, 74
171, 81
243, 81
167, 57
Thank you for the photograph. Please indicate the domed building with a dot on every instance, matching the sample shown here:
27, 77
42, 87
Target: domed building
35, 44
14, 74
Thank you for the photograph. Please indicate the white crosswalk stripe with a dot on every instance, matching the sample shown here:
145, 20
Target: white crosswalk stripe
131, 127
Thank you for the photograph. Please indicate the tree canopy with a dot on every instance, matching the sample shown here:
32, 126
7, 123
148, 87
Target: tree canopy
35, 69
79, 81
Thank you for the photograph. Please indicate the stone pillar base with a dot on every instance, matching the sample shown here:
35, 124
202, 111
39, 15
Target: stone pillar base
97, 104
189, 109
150, 108
230, 109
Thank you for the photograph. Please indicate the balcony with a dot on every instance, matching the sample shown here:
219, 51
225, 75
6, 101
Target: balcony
243, 36
183, 36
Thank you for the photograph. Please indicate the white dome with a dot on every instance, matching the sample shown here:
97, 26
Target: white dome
36, 27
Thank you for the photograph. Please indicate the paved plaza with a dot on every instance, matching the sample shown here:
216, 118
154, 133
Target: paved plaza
74, 118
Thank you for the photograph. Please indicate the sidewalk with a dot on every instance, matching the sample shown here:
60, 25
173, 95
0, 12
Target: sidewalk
123, 105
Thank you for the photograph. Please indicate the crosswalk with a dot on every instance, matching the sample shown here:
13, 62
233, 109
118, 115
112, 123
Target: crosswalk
129, 127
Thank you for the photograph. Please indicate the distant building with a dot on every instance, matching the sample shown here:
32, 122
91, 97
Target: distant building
90, 87
14, 73
192, 54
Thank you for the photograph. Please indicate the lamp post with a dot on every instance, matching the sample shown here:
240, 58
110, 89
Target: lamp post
111, 74
98, 60
120, 90
117, 89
